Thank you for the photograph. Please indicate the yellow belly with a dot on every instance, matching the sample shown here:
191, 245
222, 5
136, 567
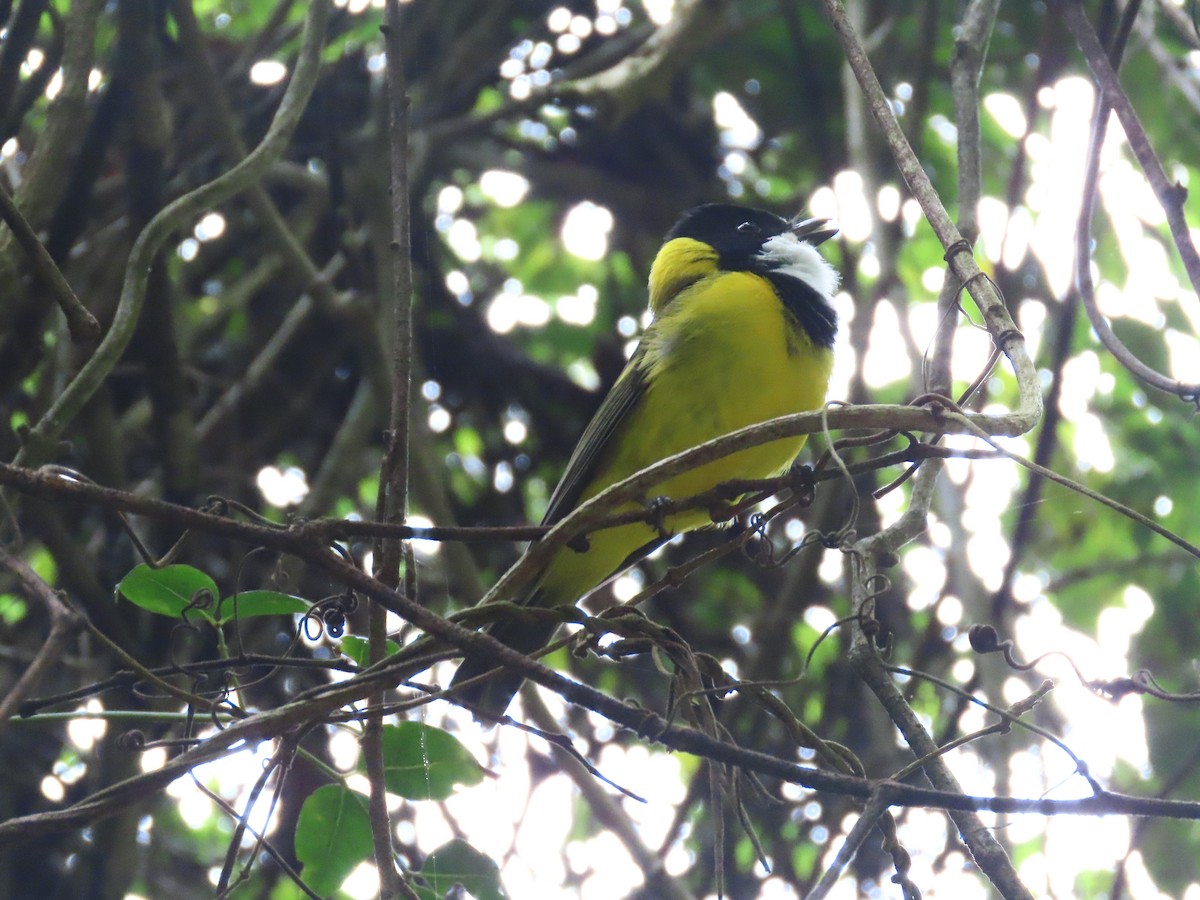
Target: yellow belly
723, 355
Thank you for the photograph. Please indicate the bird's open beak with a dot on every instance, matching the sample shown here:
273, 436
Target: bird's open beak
813, 231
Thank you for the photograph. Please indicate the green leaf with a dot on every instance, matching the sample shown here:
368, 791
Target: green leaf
489, 99
167, 591
358, 649
42, 561
459, 863
805, 857
425, 763
12, 609
261, 603
333, 835
468, 442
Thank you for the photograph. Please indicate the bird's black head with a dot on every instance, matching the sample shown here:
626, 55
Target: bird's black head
783, 252
737, 233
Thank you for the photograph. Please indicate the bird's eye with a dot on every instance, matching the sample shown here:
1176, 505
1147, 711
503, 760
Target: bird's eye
747, 228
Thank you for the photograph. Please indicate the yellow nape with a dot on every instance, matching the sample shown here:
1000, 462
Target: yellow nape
680, 263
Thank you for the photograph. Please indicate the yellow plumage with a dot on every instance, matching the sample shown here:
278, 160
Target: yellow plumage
721, 357
740, 336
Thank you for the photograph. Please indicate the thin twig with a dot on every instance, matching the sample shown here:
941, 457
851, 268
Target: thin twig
393, 496
606, 810
279, 859
392, 501
872, 810
989, 855
64, 623
1110, 93
1060, 350
81, 324
966, 66
1139, 518
1170, 196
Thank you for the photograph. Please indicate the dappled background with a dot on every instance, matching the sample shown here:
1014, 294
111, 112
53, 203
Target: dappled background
551, 145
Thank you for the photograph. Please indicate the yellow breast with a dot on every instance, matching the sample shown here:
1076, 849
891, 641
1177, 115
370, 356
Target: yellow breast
723, 354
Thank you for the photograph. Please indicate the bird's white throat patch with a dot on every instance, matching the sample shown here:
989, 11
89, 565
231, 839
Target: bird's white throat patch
788, 254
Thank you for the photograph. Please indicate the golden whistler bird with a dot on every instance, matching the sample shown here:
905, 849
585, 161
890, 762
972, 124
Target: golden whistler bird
742, 332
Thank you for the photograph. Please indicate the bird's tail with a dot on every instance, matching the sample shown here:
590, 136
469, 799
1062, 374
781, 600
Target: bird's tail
489, 699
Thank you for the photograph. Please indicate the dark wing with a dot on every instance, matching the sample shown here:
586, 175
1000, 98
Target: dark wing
493, 696
594, 443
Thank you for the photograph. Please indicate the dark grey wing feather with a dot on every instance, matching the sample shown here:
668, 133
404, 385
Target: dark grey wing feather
596, 439
493, 696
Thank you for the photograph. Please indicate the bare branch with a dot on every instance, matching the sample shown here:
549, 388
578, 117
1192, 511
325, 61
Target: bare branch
1171, 198
962, 263
82, 324
64, 623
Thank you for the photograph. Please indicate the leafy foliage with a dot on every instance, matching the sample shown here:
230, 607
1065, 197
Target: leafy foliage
333, 835
175, 591
425, 763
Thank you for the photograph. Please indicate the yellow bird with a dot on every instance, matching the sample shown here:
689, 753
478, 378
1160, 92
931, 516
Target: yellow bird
743, 332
